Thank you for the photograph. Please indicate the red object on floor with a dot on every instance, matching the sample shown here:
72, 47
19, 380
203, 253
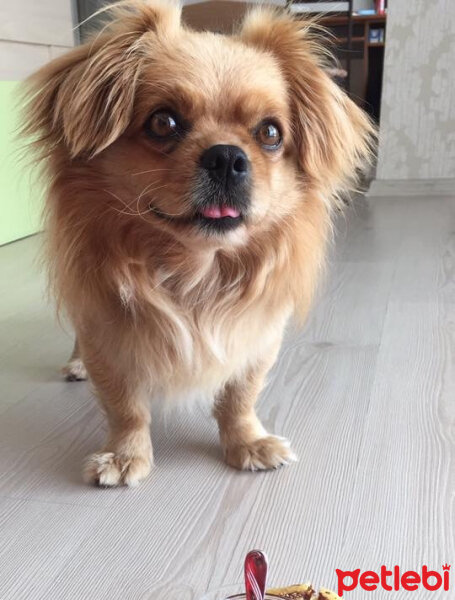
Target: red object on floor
255, 575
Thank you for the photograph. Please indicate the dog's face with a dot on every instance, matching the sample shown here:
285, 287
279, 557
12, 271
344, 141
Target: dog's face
211, 138
209, 150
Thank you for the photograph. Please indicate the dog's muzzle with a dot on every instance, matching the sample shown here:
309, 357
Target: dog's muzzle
222, 195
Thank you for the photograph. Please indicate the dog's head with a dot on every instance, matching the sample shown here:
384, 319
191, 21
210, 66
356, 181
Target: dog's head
207, 136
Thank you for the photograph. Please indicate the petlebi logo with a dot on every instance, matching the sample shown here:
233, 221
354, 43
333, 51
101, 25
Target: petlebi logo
394, 579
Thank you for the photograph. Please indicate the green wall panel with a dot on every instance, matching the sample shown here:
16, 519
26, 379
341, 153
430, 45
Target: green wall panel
20, 197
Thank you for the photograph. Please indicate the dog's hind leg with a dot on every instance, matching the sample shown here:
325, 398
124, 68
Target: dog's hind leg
74, 370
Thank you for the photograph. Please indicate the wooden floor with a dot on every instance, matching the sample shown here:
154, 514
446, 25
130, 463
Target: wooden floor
366, 393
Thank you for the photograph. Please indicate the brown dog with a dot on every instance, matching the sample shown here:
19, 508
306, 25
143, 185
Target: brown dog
192, 179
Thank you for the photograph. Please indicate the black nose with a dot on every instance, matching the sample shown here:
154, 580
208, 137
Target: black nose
227, 165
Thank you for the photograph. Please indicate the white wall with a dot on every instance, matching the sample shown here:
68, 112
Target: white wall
417, 133
31, 33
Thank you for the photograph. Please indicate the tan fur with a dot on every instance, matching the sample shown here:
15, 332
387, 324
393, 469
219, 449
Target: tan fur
159, 308
75, 370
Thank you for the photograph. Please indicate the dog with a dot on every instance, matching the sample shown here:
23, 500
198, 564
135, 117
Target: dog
192, 178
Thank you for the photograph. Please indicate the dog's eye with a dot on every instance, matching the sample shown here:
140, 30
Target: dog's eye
162, 125
269, 135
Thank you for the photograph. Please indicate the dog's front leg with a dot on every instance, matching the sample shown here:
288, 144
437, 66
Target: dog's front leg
245, 442
127, 456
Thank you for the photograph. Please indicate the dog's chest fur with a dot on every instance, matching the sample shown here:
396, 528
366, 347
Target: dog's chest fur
201, 327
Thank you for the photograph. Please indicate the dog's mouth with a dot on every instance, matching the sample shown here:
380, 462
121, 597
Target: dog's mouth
212, 218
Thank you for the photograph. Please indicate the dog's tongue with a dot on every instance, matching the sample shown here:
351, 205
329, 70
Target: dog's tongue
218, 212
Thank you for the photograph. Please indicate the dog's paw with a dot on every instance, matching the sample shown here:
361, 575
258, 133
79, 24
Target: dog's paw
269, 452
108, 469
75, 370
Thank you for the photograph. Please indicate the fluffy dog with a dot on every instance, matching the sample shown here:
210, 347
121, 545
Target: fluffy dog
192, 177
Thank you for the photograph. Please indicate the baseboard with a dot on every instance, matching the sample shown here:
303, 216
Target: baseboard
411, 187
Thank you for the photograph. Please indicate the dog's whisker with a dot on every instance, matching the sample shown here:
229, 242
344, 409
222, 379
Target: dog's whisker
140, 213
129, 211
149, 171
144, 191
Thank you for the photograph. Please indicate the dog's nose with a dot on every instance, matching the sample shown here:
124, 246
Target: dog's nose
225, 164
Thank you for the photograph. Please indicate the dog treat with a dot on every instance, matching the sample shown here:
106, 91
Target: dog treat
295, 592
327, 595
303, 591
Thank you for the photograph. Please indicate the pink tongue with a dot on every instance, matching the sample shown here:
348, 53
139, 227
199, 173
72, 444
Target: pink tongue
216, 212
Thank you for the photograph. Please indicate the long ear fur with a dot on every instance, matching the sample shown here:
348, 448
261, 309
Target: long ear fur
85, 98
334, 136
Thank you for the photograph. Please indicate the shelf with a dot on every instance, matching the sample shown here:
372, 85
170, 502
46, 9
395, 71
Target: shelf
343, 19
354, 40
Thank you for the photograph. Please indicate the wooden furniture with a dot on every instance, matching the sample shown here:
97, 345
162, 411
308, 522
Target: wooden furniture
360, 57
331, 7
352, 38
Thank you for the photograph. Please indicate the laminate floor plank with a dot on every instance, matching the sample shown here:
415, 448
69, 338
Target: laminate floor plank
402, 510
37, 538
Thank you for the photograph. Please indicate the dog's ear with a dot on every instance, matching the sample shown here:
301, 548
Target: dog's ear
333, 135
85, 98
